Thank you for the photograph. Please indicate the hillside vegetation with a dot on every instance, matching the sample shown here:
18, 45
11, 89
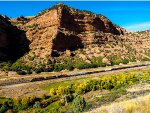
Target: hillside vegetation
74, 96
60, 39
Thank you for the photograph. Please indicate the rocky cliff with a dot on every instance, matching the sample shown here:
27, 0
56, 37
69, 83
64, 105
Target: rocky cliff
62, 32
62, 28
13, 42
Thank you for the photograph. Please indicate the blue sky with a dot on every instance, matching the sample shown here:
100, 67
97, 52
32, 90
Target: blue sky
130, 15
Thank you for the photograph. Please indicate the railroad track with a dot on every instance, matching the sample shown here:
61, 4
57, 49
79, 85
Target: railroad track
82, 74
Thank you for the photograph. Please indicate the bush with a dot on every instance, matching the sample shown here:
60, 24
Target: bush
5, 66
23, 103
4, 107
68, 65
70, 68
78, 104
27, 101
116, 61
58, 67
17, 66
108, 83
97, 62
60, 90
83, 65
125, 61
80, 88
52, 91
38, 70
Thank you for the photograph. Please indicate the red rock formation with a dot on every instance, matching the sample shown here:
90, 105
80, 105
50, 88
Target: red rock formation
63, 28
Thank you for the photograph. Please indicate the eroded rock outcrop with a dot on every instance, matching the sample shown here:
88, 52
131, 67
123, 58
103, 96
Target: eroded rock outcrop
63, 32
62, 28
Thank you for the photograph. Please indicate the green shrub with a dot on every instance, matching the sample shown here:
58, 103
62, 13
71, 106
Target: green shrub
97, 62
26, 68
69, 67
125, 61
83, 65
93, 85
58, 67
4, 107
23, 103
78, 104
116, 61
5, 66
17, 66
38, 70
68, 64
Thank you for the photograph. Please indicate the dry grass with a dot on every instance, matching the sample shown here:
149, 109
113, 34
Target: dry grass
138, 105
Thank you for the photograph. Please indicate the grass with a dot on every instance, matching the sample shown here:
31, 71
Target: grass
138, 105
56, 85
110, 97
54, 105
124, 101
64, 83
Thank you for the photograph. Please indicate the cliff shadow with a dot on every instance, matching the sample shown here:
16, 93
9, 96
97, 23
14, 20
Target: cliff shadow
17, 45
64, 42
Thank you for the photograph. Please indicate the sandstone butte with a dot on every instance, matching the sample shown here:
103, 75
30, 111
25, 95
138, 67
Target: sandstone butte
62, 29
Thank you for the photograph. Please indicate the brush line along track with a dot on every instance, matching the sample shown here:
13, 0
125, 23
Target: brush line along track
72, 75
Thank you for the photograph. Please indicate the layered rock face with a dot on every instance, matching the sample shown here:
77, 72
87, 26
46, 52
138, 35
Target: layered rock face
13, 42
63, 28
63, 32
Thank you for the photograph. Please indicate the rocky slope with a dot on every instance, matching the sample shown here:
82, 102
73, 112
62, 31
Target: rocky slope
62, 32
62, 28
13, 42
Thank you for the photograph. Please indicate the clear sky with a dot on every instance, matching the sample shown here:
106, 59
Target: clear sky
130, 15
